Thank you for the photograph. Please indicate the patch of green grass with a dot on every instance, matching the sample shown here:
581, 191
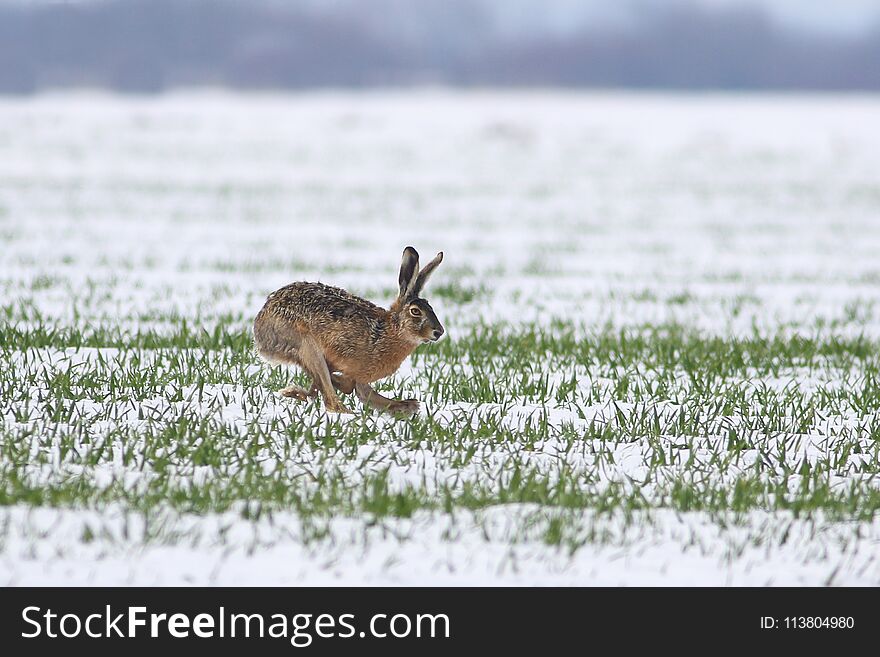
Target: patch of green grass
458, 293
178, 415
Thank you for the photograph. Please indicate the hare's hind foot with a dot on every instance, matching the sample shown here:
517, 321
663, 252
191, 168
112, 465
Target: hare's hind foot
301, 394
296, 392
373, 399
337, 407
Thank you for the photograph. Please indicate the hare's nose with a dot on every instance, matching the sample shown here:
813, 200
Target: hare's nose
437, 333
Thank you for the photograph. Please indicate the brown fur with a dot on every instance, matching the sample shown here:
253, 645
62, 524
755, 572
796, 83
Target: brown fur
326, 330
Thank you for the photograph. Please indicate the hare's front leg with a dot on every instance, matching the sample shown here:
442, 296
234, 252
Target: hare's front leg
373, 399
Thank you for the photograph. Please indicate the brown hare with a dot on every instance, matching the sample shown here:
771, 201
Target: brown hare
346, 342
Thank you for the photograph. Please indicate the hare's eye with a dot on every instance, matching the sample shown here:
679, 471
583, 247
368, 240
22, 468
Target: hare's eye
415, 312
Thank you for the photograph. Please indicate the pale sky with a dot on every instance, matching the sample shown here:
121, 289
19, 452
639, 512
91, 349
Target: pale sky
835, 16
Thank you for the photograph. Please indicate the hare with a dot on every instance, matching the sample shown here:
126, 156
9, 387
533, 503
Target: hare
346, 342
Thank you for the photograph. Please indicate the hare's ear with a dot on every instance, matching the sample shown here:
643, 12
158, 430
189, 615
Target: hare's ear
409, 272
426, 272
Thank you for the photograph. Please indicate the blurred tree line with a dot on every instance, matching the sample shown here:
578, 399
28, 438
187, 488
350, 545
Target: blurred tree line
151, 45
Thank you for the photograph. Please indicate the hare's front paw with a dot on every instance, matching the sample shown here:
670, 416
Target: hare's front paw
406, 407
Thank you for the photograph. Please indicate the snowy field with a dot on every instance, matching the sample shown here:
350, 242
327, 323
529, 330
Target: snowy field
662, 362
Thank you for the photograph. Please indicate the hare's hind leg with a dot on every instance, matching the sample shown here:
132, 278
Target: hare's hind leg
280, 342
373, 399
344, 384
312, 361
